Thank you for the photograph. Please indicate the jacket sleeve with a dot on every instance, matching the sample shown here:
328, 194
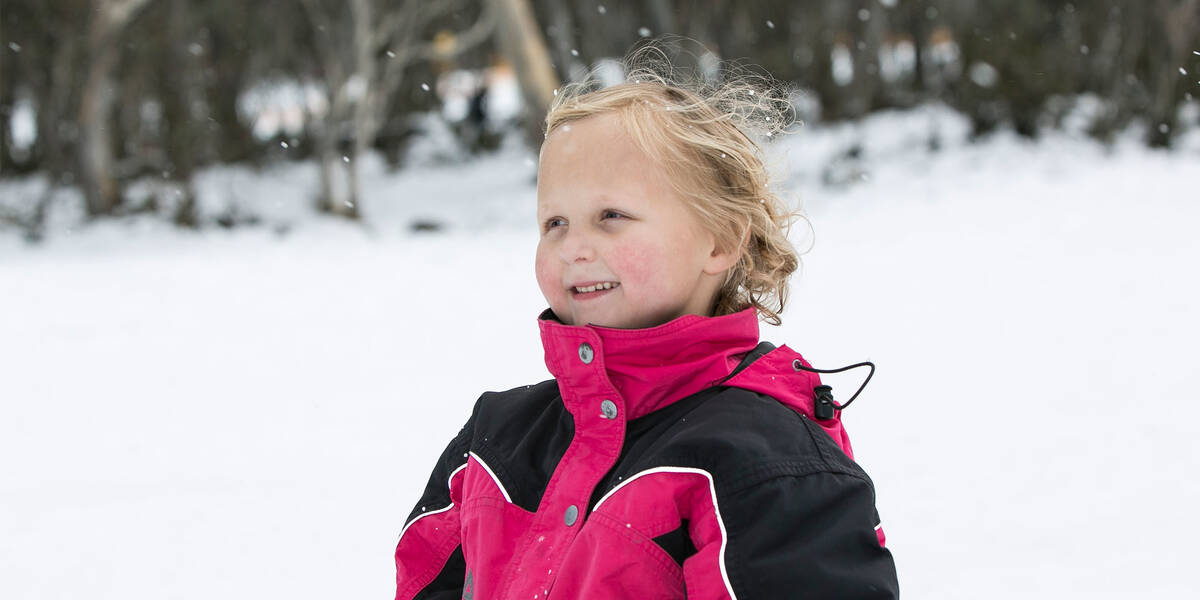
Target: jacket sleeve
429, 558
815, 535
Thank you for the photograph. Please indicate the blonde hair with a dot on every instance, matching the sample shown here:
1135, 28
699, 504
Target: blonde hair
700, 134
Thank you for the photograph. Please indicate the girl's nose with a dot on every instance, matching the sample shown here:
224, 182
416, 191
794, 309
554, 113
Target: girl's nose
576, 247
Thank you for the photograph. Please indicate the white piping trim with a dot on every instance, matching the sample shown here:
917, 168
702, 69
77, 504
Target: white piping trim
449, 480
494, 478
712, 488
879, 526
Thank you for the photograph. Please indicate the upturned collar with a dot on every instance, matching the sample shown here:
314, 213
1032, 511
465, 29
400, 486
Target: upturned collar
643, 370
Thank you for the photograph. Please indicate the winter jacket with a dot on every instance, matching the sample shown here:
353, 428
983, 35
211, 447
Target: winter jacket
678, 461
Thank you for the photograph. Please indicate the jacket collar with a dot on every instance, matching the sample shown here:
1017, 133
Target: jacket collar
645, 369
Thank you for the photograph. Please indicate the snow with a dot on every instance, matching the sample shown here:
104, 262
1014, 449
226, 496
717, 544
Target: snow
253, 413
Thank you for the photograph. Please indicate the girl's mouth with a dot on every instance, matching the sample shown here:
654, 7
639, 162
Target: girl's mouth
595, 290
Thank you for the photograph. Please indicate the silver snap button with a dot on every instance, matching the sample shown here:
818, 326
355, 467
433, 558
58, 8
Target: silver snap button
571, 515
609, 409
586, 354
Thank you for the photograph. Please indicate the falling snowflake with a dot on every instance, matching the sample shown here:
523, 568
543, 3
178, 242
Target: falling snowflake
391, 54
15, 47
283, 145
1182, 71
864, 15
600, 9
770, 24
425, 86
574, 52
644, 31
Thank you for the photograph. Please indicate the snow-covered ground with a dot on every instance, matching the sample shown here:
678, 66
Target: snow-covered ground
251, 414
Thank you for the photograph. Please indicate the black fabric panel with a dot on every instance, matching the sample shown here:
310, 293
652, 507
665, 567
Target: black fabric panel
740, 437
448, 585
522, 435
761, 349
810, 537
677, 543
437, 494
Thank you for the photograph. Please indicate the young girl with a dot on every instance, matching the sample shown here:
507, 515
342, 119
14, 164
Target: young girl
673, 455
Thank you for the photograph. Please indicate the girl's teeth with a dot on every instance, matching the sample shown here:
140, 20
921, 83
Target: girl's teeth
608, 285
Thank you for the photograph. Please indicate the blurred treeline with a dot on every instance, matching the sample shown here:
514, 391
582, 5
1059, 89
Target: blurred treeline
114, 90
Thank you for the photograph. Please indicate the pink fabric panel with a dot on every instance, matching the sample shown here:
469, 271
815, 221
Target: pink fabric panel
646, 507
774, 376
613, 559
427, 543
654, 367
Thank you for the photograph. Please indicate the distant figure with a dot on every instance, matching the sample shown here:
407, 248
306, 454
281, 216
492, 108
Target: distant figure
477, 130
477, 113
673, 454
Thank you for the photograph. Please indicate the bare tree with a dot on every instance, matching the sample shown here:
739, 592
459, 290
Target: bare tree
363, 53
522, 43
1179, 20
100, 185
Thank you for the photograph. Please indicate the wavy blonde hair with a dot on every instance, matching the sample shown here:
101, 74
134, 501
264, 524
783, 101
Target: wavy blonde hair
700, 133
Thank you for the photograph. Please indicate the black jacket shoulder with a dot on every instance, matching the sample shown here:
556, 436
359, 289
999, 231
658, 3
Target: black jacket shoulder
741, 437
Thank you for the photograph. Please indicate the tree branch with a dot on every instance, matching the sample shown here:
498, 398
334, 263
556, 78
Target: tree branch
329, 57
479, 32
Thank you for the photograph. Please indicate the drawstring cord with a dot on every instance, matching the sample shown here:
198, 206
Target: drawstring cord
825, 404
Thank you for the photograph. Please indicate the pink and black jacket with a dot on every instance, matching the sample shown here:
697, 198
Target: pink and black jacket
678, 461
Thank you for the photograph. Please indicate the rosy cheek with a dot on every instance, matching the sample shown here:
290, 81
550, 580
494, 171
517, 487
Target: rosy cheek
548, 278
636, 264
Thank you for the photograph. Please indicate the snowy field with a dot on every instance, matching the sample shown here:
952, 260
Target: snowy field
251, 414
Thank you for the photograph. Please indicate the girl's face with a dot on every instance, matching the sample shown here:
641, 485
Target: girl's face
618, 247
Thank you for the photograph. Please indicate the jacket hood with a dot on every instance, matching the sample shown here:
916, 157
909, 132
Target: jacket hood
654, 367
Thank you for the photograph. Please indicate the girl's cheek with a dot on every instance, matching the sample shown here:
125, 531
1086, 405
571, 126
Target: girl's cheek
637, 264
547, 278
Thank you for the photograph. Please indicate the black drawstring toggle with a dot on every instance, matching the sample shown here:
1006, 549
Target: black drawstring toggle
823, 409
825, 405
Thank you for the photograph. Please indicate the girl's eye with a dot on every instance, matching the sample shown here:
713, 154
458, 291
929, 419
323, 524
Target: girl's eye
554, 222
611, 214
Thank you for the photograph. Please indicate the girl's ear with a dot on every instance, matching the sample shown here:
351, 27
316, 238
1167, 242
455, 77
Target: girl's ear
723, 259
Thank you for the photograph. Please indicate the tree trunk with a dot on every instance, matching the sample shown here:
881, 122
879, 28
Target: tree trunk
338, 179
918, 28
361, 95
183, 140
1178, 20
96, 158
522, 44
562, 33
